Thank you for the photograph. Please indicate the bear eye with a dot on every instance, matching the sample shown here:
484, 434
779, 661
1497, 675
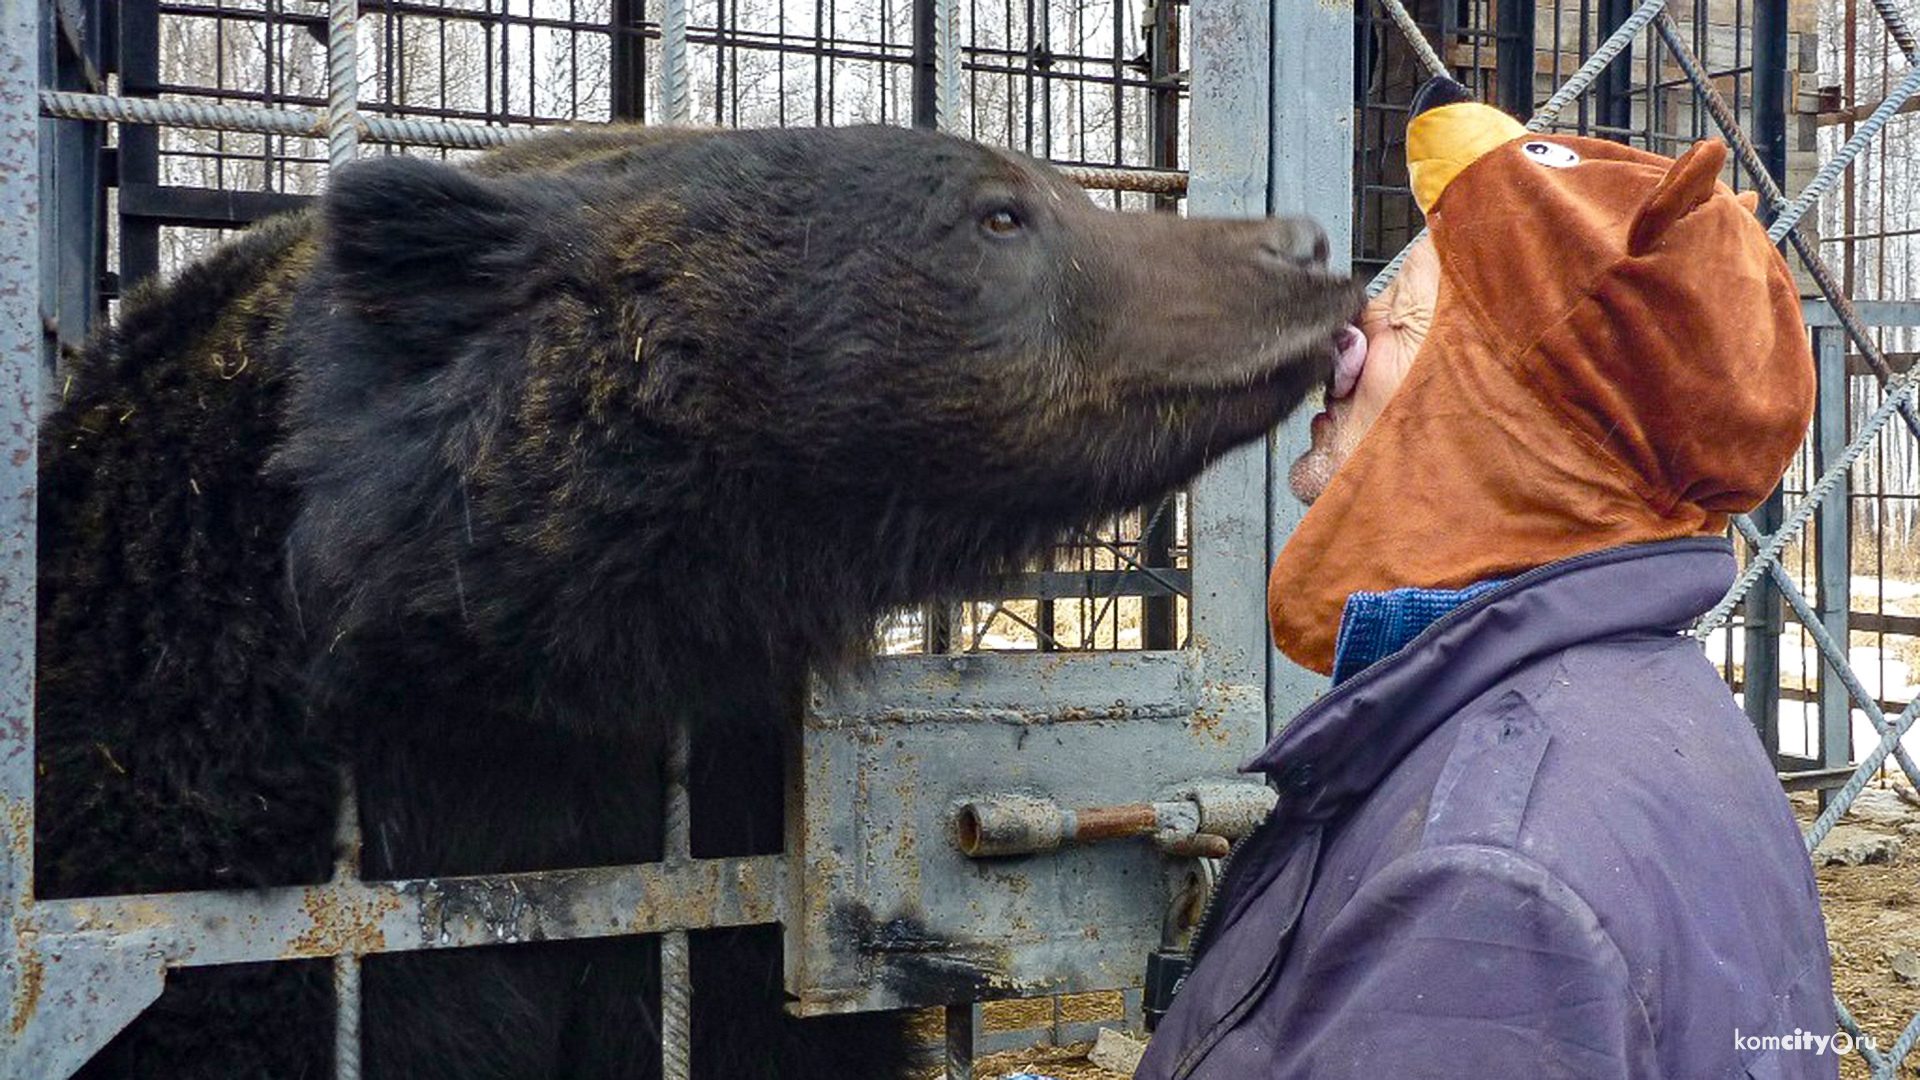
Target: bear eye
1002, 222
1550, 154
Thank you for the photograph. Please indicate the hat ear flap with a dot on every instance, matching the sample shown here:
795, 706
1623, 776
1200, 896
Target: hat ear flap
1687, 185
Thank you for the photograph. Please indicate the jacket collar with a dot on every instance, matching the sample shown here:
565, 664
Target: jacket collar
1343, 744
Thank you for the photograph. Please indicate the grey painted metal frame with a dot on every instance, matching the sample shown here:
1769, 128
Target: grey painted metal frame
21, 364
1310, 172
1834, 566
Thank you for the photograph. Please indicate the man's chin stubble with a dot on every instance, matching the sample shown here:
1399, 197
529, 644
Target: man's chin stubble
1310, 474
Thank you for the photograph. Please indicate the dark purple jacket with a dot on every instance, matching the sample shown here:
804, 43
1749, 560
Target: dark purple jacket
1541, 841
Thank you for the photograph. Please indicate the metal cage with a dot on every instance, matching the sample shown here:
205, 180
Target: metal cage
115, 162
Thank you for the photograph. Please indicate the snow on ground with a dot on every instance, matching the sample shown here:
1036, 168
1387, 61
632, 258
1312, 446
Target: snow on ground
1882, 674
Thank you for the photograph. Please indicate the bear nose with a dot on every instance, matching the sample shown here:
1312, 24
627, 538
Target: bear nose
1294, 242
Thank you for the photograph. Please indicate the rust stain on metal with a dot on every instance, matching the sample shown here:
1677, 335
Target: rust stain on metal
342, 923
1213, 725
1113, 822
26, 995
19, 828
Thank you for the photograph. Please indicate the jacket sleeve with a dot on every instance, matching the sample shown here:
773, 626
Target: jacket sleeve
1464, 961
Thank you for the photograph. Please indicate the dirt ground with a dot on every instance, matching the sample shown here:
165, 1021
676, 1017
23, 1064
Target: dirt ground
1873, 916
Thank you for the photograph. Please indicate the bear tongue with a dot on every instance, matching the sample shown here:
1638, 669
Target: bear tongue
1349, 360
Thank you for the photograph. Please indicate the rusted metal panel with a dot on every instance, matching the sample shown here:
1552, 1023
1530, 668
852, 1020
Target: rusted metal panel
892, 912
84, 968
195, 929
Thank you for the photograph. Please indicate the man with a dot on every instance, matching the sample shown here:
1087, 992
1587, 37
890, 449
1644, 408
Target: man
1528, 833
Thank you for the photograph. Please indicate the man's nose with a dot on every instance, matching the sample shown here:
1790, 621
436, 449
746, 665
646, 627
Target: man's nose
1293, 242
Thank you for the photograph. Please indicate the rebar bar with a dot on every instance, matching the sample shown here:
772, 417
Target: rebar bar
676, 968
1416, 40
946, 60
1831, 169
346, 963
1832, 651
1547, 114
449, 135
676, 96
343, 83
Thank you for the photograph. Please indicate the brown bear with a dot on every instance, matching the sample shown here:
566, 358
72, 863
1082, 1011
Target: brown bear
478, 479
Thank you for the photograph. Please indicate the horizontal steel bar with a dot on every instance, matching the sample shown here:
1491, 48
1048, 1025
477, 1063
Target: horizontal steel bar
448, 136
1897, 362
199, 929
1882, 622
1013, 688
1099, 584
1859, 113
1818, 312
1812, 779
211, 208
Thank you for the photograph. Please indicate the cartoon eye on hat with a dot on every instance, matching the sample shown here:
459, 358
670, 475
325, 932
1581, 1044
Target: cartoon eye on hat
1551, 154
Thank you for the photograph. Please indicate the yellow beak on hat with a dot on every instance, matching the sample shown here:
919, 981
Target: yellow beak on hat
1443, 141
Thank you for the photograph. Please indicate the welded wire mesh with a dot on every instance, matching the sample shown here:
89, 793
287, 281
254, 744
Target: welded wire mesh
1103, 84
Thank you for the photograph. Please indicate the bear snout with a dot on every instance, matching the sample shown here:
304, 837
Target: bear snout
1291, 243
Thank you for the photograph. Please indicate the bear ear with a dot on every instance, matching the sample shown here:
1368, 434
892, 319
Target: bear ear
416, 246
1749, 199
1688, 184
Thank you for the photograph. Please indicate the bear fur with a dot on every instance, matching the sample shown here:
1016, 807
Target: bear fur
476, 480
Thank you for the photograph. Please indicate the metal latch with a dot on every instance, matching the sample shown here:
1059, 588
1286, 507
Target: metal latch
1201, 820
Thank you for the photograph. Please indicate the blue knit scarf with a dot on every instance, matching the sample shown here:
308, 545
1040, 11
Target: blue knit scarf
1375, 625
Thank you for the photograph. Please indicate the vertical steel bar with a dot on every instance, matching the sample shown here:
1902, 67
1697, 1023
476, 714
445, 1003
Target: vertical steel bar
21, 362
676, 100
1760, 662
926, 67
1513, 56
1835, 565
1764, 622
627, 61
1615, 98
346, 965
946, 65
676, 967
1310, 172
1157, 613
343, 83
139, 152
960, 1041
343, 146
1769, 125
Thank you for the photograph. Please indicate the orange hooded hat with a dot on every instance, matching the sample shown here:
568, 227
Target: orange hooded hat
1617, 355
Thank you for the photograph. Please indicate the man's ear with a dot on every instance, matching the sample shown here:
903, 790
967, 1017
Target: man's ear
1687, 185
419, 249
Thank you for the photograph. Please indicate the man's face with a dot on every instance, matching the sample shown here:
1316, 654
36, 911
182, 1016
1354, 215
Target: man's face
1395, 324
